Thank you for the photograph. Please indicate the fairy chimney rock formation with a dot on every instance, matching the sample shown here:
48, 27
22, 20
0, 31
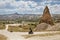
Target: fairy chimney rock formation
46, 17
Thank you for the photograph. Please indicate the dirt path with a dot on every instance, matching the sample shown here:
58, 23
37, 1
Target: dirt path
18, 36
11, 36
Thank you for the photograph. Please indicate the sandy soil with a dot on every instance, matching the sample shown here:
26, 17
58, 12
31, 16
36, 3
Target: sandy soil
18, 36
2, 37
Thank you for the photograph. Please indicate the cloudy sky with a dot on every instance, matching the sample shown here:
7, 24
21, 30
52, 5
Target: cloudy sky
29, 6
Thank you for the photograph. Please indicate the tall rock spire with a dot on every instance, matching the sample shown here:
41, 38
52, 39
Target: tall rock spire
46, 17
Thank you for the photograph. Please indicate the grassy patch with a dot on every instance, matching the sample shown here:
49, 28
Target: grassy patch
24, 28
2, 26
40, 35
2, 37
18, 29
14, 29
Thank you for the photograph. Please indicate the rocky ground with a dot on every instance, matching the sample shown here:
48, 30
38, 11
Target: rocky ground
18, 35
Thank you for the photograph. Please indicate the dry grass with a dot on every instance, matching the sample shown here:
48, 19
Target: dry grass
2, 37
41, 35
2, 26
19, 29
14, 29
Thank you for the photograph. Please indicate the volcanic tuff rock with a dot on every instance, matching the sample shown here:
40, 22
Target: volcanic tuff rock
46, 20
42, 27
46, 17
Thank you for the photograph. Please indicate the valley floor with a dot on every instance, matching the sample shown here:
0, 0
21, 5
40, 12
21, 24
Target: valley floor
20, 35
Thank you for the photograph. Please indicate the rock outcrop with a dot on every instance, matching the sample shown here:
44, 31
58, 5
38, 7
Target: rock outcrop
46, 21
42, 27
46, 17
47, 27
55, 27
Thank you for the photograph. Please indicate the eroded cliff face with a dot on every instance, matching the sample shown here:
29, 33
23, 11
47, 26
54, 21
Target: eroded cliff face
46, 17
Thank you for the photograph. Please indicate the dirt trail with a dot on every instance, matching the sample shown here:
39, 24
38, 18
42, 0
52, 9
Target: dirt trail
18, 35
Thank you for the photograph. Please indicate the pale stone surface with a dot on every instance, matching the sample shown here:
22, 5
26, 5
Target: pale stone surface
42, 27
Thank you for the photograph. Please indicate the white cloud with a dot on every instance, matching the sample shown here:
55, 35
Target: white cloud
28, 6
55, 9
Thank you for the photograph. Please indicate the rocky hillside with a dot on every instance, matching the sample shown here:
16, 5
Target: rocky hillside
47, 27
